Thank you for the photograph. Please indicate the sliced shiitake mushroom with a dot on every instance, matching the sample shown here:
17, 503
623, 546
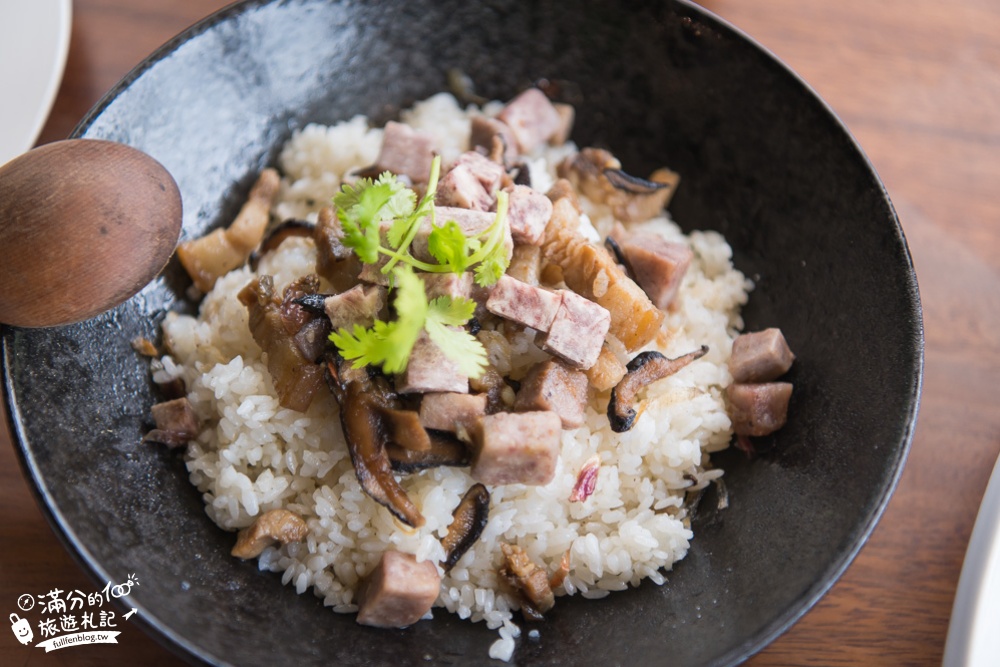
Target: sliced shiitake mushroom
278, 525
467, 524
363, 399
445, 450
645, 368
633, 184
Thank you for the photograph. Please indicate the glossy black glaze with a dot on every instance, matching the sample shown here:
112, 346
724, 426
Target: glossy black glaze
763, 161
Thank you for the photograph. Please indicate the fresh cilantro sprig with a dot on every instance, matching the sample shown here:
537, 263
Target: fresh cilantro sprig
363, 207
389, 344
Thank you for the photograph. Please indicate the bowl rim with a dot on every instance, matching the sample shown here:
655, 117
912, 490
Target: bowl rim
185, 649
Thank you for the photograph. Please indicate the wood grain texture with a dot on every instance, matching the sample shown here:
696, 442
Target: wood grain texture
918, 84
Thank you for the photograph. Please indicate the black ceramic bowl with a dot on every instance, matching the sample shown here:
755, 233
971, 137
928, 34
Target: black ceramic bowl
660, 82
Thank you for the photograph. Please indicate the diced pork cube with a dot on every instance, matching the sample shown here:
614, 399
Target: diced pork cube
176, 423
553, 385
516, 448
760, 357
760, 408
577, 331
657, 265
428, 369
532, 119
534, 307
406, 151
447, 284
484, 129
452, 412
359, 305
176, 415
528, 212
472, 182
398, 592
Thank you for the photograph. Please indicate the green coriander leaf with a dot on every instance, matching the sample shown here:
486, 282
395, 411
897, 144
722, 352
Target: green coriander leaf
452, 311
491, 269
363, 346
403, 230
459, 346
449, 246
362, 208
443, 314
492, 255
388, 344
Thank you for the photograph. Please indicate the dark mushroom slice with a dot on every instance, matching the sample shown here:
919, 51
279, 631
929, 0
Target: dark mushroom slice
406, 430
633, 184
645, 368
362, 402
278, 235
467, 524
445, 450
616, 251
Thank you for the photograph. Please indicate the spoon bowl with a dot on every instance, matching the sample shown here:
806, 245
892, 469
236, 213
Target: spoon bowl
84, 225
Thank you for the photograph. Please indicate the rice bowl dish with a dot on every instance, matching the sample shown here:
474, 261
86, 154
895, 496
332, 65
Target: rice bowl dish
257, 456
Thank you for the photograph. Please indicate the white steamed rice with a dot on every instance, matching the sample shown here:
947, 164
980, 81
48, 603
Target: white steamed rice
253, 455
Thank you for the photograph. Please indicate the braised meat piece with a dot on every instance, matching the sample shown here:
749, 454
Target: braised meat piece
405, 152
361, 304
485, 130
760, 357
176, 423
526, 264
296, 377
657, 265
528, 213
577, 331
452, 412
447, 284
534, 307
531, 581
471, 183
590, 271
516, 448
398, 592
554, 385
607, 371
758, 409
214, 255
598, 175
428, 369
532, 118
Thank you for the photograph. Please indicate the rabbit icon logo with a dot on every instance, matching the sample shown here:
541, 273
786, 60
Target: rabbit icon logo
21, 628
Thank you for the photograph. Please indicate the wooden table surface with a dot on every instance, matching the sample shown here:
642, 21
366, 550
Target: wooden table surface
918, 84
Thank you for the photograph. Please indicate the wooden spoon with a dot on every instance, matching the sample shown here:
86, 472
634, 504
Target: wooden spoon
84, 225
